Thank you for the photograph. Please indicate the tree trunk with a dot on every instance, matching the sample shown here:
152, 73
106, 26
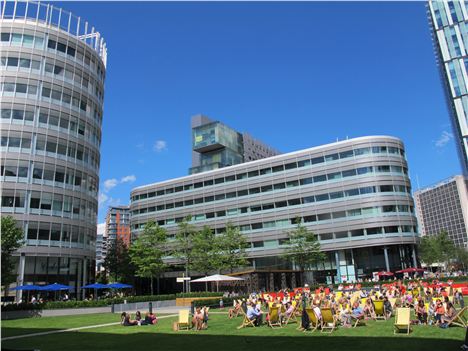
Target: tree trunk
157, 281
151, 286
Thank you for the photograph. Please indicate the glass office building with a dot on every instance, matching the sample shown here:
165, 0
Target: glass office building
444, 207
53, 67
448, 20
355, 195
215, 145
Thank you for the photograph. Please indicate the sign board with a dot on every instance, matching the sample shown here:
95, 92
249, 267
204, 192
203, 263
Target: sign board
182, 279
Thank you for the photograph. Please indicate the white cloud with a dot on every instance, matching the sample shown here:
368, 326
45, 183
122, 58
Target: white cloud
128, 179
110, 183
444, 139
102, 199
160, 145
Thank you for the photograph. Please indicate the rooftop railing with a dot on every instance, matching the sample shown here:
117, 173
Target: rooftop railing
48, 15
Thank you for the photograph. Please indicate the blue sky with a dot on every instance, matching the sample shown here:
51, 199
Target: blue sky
293, 75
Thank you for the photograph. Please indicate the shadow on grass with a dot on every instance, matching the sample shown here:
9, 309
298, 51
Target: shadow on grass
206, 342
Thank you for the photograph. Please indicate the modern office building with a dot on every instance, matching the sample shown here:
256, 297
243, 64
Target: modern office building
215, 145
101, 246
444, 206
118, 224
53, 67
448, 20
355, 195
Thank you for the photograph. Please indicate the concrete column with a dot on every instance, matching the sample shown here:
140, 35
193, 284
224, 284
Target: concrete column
20, 281
85, 276
415, 261
387, 265
338, 274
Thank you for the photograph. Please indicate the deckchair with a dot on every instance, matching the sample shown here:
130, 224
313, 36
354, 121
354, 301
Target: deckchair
358, 320
460, 318
392, 301
184, 320
274, 320
292, 318
402, 320
328, 321
338, 295
246, 322
314, 323
379, 310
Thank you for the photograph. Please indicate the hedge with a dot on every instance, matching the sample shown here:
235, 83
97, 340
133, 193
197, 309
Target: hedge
102, 302
214, 303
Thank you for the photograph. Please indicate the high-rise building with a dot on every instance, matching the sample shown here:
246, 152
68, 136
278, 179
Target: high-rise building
355, 195
53, 66
101, 246
118, 224
450, 34
444, 206
215, 145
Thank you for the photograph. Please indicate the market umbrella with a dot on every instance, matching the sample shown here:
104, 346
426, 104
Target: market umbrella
385, 274
54, 287
119, 286
95, 286
216, 278
410, 270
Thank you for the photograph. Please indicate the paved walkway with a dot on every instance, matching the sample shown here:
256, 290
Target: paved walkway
72, 329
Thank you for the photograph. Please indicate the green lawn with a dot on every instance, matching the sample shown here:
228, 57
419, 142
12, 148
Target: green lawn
221, 335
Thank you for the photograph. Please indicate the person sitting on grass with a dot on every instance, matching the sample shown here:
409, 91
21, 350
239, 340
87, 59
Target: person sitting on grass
233, 312
369, 310
126, 321
388, 307
197, 320
421, 312
150, 318
254, 314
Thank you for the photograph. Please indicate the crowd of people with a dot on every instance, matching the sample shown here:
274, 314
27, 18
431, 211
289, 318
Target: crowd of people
433, 304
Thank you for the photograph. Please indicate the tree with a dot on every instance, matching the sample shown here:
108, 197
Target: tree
461, 256
147, 252
12, 240
232, 245
304, 248
436, 248
184, 243
118, 263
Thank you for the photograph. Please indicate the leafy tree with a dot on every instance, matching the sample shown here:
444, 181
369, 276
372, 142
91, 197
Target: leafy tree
232, 245
206, 255
118, 263
12, 240
184, 243
147, 252
461, 256
304, 248
436, 248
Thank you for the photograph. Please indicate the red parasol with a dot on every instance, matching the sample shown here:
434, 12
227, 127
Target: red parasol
410, 270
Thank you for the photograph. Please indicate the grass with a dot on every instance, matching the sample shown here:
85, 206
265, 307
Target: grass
222, 334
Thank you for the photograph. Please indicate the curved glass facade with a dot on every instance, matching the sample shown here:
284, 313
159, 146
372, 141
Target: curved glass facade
355, 195
51, 95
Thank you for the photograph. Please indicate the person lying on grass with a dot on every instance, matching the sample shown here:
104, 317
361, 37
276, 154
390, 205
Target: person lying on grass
126, 321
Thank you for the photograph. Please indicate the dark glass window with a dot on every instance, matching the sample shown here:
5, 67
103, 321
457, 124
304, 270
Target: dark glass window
198, 185
220, 197
320, 178
230, 178
209, 198
280, 204
291, 165
308, 199
346, 154
306, 181
253, 174
242, 192
386, 188
321, 197
241, 176
266, 188
279, 186
278, 168
51, 44
294, 202
219, 180
316, 160
208, 182
257, 226
231, 195
254, 191
188, 202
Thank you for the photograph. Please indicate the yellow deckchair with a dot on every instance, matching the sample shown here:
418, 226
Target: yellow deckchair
274, 319
338, 295
314, 323
402, 320
379, 310
246, 322
328, 321
292, 318
184, 320
460, 318
392, 301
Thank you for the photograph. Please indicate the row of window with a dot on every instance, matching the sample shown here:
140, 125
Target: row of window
56, 120
49, 174
37, 42
68, 73
60, 147
290, 184
342, 235
54, 204
280, 168
59, 232
287, 203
